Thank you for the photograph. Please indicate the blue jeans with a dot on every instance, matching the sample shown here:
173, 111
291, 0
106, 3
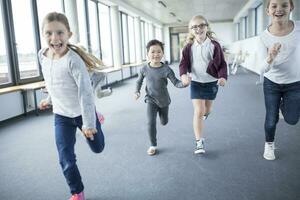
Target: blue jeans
65, 137
280, 96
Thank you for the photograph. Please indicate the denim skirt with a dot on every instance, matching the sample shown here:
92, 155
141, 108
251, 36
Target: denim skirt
206, 91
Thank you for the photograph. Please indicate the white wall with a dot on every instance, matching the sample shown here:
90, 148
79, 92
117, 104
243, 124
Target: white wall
224, 32
11, 105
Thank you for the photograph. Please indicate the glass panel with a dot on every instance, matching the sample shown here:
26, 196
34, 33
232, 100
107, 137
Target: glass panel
95, 47
44, 9
82, 23
175, 48
25, 41
105, 34
143, 40
125, 38
5, 75
259, 19
131, 39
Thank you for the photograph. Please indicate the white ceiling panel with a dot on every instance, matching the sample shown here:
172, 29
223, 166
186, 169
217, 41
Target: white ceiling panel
213, 10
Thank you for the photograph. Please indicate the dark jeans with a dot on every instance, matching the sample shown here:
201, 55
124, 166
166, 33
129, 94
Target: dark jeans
152, 110
280, 96
65, 136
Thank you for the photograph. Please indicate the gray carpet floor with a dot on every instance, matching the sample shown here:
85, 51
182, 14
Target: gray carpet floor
232, 169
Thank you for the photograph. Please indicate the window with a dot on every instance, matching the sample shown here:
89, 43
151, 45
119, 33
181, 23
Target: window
82, 23
25, 39
132, 58
5, 75
105, 34
259, 16
93, 32
143, 40
44, 9
125, 43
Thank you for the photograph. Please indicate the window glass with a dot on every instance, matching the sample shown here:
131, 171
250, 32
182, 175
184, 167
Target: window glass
82, 23
131, 39
95, 46
44, 9
125, 39
105, 34
25, 41
143, 40
259, 19
5, 76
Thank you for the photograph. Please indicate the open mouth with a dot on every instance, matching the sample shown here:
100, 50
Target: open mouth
57, 46
279, 15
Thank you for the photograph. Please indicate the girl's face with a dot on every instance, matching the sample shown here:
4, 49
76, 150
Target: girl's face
199, 29
155, 54
57, 37
279, 10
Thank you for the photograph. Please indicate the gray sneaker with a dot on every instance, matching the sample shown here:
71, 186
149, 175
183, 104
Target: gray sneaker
199, 147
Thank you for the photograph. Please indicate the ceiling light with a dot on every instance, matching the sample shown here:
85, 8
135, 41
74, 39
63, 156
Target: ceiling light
162, 4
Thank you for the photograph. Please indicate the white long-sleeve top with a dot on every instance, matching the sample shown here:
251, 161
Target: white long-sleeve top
69, 86
202, 54
286, 66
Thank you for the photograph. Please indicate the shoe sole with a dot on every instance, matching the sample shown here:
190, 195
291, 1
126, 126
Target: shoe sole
267, 158
199, 152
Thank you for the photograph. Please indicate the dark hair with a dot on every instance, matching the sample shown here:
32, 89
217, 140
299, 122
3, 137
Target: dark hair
155, 42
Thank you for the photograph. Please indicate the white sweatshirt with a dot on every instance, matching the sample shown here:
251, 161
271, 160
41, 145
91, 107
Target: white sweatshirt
285, 68
69, 86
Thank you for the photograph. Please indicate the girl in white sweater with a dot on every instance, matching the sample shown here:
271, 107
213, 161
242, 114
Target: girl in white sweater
280, 70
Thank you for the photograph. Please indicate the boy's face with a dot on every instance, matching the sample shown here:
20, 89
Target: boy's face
57, 37
279, 10
155, 54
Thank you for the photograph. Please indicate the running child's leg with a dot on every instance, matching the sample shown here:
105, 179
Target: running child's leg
65, 131
290, 105
152, 110
164, 115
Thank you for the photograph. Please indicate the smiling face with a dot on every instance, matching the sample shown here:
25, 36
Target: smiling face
57, 37
279, 10
155, 54
198, 27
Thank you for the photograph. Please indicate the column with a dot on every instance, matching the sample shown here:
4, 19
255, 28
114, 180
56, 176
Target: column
116, 39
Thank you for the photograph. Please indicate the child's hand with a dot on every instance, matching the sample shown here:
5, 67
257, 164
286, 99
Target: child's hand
89, 133
137, 95
221, 81
273, 52
185, 79
44, 104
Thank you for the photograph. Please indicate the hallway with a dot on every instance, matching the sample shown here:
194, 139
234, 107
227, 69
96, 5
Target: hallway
232, 169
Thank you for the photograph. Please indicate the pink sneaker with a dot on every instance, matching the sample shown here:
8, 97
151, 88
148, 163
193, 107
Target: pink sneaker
79, 196
100, 118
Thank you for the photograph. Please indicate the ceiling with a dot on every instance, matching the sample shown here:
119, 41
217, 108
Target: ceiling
213, 10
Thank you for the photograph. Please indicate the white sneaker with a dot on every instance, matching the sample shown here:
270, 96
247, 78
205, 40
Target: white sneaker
199, 147
205, 116
152, 150
269, 151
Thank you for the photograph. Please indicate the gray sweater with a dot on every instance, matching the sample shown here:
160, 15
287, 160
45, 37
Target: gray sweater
69, 86
156, 84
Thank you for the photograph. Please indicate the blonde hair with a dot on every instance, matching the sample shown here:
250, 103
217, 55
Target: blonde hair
291, 3
190, 38
90, 60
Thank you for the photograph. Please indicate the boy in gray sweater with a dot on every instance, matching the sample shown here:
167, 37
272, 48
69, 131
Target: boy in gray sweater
157, 95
